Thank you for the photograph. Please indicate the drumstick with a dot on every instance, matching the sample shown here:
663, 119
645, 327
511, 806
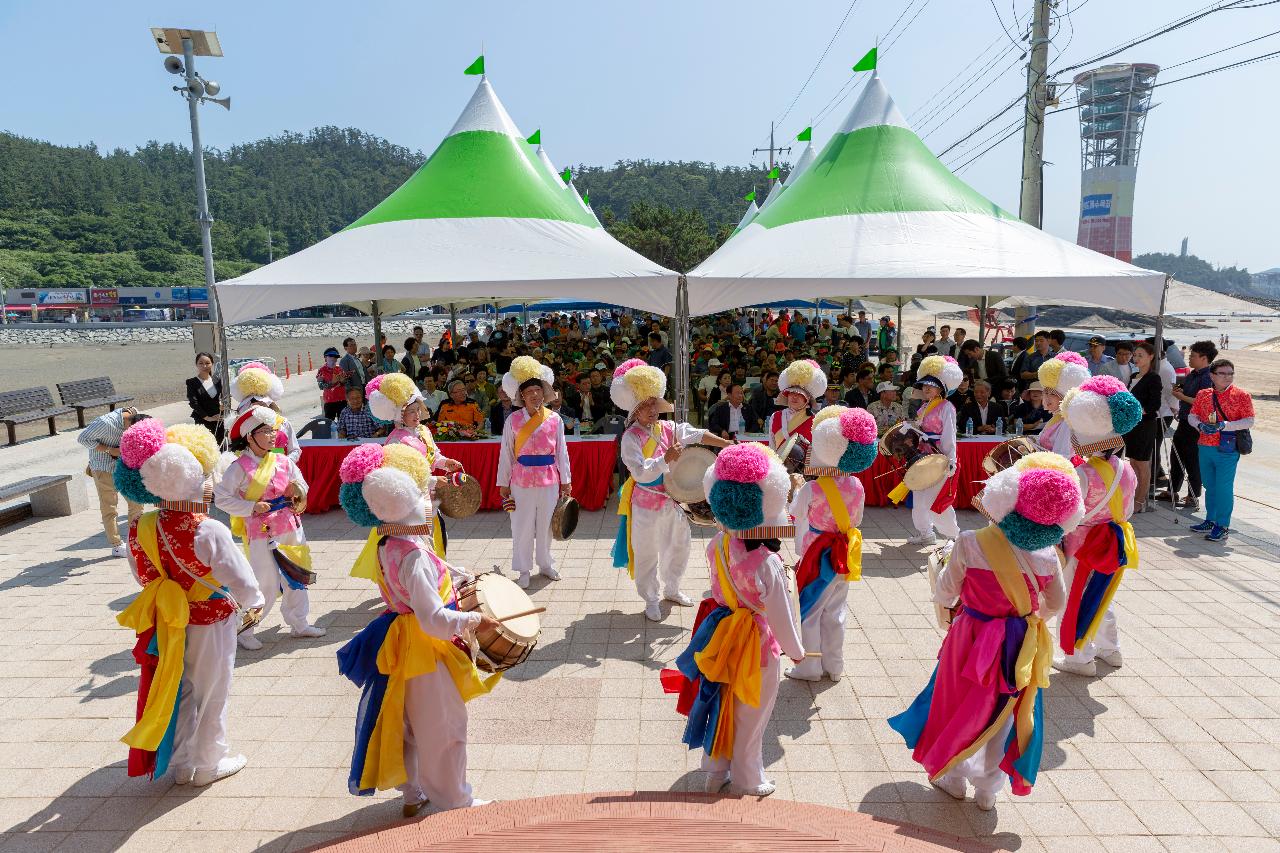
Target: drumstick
813, 654
529, 612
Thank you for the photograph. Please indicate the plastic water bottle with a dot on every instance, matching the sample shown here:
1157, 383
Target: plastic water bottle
1018, 427
968, 427
577, 428
1000, 426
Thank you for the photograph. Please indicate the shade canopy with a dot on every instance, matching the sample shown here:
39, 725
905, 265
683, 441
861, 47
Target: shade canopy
484, 219
876, 215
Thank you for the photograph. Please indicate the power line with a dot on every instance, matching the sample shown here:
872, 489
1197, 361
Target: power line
1216, 52
818, 64
1017, 129
1000, 21
938, 126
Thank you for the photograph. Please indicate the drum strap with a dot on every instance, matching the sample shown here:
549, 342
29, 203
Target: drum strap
844, 523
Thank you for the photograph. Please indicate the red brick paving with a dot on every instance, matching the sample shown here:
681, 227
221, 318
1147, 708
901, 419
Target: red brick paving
650, 822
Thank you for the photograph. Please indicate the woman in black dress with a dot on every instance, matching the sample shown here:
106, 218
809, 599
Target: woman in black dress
1140, 442
204, 394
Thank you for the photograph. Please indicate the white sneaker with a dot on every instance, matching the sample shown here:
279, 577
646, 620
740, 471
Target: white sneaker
835, 677
475, 804
1112, 658
793, 674
679, 598
549, 574
248, 641
120, 550
308, 631
955, 788
986, 800
922, 539
715, 783
1088, 670
653, 612
228, 766
522, 580
763, 790
183, 775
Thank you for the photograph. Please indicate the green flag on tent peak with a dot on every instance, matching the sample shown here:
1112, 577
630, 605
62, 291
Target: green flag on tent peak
586, 197
774, 173
751, 196
476, 67
805, 135
566, 175
535, 138
867, 62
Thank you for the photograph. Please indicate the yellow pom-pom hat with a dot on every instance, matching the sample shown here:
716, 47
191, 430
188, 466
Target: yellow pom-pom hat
392, 396
524, 371
805, 376
1064, 372
634, 381
255, 384
941, 371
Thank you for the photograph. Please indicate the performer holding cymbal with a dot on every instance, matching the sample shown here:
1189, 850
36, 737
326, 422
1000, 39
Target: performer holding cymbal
933, 509
802, 384
653, 530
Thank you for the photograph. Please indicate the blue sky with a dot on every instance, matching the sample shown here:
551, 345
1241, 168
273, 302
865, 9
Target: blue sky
692, 80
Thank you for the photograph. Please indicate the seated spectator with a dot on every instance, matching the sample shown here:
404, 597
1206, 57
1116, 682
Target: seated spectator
720, 390
831, 397
982, 410
499, 412
432, 396
885, 408
458, 410
354, 421
862, 394
389, 364
731, 416
962, 396
764, 400
1031, 410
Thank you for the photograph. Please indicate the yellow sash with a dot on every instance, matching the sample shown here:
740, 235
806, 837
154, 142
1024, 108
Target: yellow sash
929, 407
1108, 474
732, 656
531, 425
408, 652
625, 494
840, 512
794, 423
257, 487
162, 603
1031, 673
425, 436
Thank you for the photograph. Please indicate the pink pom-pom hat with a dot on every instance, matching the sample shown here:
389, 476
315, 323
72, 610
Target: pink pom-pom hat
742, 463
858, 426
1046, 496
1072, 358
259, 365
1104, 385
141, 441
360, 462
373, 384
627, 365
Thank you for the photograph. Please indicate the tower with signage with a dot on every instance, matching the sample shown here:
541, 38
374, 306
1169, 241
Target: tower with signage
1114, 100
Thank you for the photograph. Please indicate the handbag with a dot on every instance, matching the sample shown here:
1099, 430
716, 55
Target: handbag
1239, 441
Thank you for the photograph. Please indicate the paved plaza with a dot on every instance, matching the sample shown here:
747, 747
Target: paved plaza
1179, 750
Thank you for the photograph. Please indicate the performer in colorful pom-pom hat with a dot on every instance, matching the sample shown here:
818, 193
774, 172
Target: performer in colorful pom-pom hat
196, 586
255, 385
801, 385
828, 511
934, 508
653, 529
1058, 376
533, 466
262, 491
394, 397
981, 716
411, 726
728, 676
1099, 552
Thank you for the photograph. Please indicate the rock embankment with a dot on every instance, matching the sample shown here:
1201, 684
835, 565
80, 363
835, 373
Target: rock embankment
59, 335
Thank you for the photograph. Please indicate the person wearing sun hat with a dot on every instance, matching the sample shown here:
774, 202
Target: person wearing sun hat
255, 385
196, 583
828, 511
395, 398
533, 466
800, 387
933, 509
1098, 413
411, 723
1058, 376
981, 716
727, 678
653, 537
261, 491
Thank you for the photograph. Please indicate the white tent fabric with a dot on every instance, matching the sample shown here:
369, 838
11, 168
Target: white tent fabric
876, 215
484, 219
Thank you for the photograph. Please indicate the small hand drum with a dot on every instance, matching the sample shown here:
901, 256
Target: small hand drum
684, 484
794, 453
1006, 453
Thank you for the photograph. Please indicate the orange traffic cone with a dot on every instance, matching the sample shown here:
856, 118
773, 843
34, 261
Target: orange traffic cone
299, 371
310, 366
286, 367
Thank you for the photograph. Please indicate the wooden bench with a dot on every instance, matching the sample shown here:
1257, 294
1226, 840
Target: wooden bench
27, 405
50, 496
88, 393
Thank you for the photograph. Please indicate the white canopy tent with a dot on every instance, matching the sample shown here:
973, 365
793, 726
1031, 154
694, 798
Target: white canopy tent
485, 219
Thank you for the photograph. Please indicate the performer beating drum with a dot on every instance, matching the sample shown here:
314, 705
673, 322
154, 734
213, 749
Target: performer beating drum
533, 467
411, 727
653, 529
934, 508
803, 383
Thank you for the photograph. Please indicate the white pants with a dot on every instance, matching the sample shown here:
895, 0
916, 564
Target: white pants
435, 742
531, 527
823, 631
924, 518
200, 739
1107, 639
294, 603
659, 536
982, 769
746, 768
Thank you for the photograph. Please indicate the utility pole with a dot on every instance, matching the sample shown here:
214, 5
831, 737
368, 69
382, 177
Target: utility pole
270, 257
1031, 200
771, 149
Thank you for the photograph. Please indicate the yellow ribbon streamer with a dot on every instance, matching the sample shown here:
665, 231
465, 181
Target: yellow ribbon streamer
628, 491
530, 426
257, 487
844, 523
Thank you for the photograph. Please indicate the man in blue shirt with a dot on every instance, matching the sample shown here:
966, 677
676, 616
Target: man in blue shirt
659, 355
1185, 464
1098, 357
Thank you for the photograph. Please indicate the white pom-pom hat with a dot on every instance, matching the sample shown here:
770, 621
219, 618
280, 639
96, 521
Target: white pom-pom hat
393, 496
174, 462
805, 376
524, 369
253, 418
634, 381
941, 371
1064, 372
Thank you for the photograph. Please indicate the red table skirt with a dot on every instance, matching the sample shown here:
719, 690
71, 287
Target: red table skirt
885, 474
591, 462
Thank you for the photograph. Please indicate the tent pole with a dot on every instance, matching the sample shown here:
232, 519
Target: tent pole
453, 323
680, 371
1164, 295
897, 343
524, 317
377, 334
982, 322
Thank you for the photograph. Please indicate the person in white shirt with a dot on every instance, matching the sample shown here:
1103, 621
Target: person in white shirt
432, 396
708, 382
